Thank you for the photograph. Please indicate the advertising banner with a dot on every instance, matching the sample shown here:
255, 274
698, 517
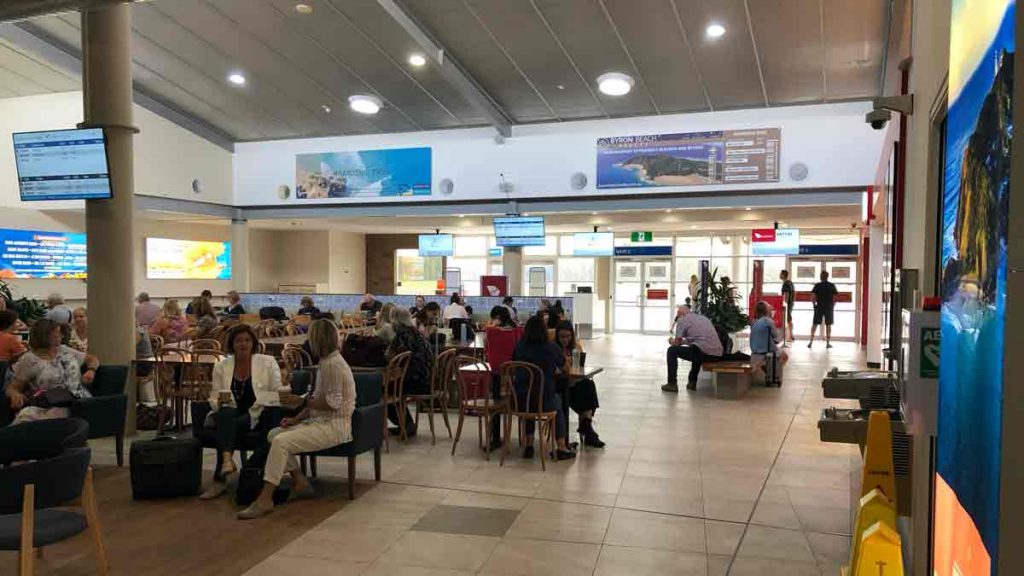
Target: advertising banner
168, 259
692, 159
974, 214
38, 254
363, 174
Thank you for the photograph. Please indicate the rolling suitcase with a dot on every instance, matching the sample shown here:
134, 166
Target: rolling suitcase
166, 467
773, 370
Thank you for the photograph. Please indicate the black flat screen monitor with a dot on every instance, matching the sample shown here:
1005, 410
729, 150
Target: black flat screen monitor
519, 231
62, 165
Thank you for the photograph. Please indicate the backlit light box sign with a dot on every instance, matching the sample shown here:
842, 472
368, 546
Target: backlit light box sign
437, 245
62, 165
593, 244
168, 259
775, 242
38, 254
519, 231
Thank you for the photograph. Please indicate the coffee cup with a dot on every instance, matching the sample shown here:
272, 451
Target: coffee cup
224, 397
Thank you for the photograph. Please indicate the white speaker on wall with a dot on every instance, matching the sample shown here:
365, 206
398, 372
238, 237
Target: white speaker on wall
446, 186
283, 192
578, 181
798, 171
197, 186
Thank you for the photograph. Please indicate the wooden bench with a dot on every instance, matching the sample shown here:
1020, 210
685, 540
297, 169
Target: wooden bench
730, 379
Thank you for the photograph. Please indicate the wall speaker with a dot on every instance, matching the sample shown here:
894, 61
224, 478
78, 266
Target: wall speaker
446, 186
283, 192
197, 186
578, 181
798, 171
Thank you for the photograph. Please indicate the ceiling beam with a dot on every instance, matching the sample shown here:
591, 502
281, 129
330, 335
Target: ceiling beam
456, 75
11, 10
69, 59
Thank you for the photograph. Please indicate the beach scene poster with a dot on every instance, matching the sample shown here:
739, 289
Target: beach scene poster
975, 205
689, 159
363, 174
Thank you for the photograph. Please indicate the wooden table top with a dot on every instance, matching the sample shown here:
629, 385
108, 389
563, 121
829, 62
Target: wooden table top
587, 372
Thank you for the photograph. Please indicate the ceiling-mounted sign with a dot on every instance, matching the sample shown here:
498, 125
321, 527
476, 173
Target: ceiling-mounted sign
641, 237
690, 159
363, 174
643, 250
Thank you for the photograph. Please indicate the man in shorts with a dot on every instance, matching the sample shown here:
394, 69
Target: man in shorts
824, 294
788, 297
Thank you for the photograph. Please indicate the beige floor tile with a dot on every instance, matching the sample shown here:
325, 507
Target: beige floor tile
722, 537
616, 561
719, 565
483, 500
829, 548
380, 514
824, 519
279, 564
344, 543
665, 504
648, 530
770, 567
396, 570
431, 550
515, 556
729, 510
776, 515
542, 520
761, 542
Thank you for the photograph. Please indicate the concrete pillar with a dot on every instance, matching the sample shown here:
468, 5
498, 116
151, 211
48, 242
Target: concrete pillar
240, 254
107, 87
512, 265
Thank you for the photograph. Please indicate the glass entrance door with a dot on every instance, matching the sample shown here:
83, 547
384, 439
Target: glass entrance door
844, 274
643, 296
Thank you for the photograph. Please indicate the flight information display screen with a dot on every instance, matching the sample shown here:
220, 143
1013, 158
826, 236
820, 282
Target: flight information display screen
62, 165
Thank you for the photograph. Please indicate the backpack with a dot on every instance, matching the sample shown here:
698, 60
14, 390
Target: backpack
364, 350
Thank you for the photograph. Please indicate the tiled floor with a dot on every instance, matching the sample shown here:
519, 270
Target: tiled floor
687, 485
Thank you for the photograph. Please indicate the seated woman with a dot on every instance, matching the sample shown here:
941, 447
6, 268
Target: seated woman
206, 319
764, 337
419, 374
535, 348
48, 366
500, 318
384, 330
583, 397
243, 385
11, 346
79, 330
307, 308
171, 324
324, 420
427, 319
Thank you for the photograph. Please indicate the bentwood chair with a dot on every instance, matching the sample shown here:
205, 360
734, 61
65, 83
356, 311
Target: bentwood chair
438, 396
34, 497
525, 383
394, 378
170, 365
476, 399
206, 344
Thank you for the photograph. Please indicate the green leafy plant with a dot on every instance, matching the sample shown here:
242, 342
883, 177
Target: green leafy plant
28, 309
722, 306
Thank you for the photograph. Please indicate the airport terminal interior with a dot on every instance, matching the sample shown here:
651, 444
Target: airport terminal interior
510, 287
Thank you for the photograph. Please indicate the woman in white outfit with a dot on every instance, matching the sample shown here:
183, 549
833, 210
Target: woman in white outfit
325, 420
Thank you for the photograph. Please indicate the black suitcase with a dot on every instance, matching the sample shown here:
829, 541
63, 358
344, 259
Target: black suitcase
773, 370
166, 467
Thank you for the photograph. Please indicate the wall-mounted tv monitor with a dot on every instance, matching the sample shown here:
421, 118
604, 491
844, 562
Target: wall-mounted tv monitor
593, 244
168, 259
437, 245
62, 165
39, 254
519, 231
775, 242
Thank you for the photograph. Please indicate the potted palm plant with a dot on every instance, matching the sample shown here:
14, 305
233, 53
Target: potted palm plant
720, 304
29, 310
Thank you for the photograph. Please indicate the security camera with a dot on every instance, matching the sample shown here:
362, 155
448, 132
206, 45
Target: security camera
884, 107
878, 118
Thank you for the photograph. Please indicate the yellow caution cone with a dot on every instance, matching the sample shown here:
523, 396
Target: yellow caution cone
874, 508
880, 552
878, 464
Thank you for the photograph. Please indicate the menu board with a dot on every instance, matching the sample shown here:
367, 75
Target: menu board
689, 159
39, 254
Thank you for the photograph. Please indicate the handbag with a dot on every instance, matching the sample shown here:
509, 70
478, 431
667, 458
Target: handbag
52, 398
364, 350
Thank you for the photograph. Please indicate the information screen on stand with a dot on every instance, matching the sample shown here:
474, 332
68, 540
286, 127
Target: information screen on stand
62, 165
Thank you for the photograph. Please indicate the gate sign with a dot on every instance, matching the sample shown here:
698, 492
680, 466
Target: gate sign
929, 364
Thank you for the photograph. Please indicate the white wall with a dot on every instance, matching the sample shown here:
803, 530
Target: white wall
167, 157
347, 262
833, 140
335, 258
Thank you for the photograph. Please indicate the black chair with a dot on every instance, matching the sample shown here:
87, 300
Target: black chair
5, 408
29, 494
367, 426
107, 409
41, 439
250, 441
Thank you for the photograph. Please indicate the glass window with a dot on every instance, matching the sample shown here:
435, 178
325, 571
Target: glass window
415, 274
471, 270
575, 272
566, 245
726, 246
550, 247
693, 246
471, 246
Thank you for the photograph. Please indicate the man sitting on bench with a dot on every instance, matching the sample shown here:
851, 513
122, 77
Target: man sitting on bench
694, 340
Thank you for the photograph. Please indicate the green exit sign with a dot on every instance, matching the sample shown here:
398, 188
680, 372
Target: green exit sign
642, 237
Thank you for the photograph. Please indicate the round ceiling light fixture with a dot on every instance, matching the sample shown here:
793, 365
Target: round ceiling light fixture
615, 83
417, 60
237, 78
715, 30
365, 103
303, 8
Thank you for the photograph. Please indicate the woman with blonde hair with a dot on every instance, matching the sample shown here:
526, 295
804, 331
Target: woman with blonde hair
384, 328
324, 420
171, 324
206, 318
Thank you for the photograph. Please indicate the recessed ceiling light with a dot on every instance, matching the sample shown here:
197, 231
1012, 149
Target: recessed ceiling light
417, 60
669, 211
303, 8
593, 213
615, 83
462, 215
610, 228
715, 31
694, 226
236, 78
560, 87
326, 109
365, 103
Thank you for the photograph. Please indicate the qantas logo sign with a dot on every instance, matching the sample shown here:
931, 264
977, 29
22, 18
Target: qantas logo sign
762, 235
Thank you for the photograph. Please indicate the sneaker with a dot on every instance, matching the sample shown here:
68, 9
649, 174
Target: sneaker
528, 453
809, 344
828, 345
670, 387
691, 385
593, 441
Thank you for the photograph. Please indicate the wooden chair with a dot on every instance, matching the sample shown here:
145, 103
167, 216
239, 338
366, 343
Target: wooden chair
205, 344
251, 319
475, 399
438, 395
170, 364
394, 378
302, 320
42, 490
197, 377
295, 357
529, 406
291, 329
275, 332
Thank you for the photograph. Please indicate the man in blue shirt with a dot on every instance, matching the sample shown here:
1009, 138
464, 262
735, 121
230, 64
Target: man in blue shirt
763, 335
